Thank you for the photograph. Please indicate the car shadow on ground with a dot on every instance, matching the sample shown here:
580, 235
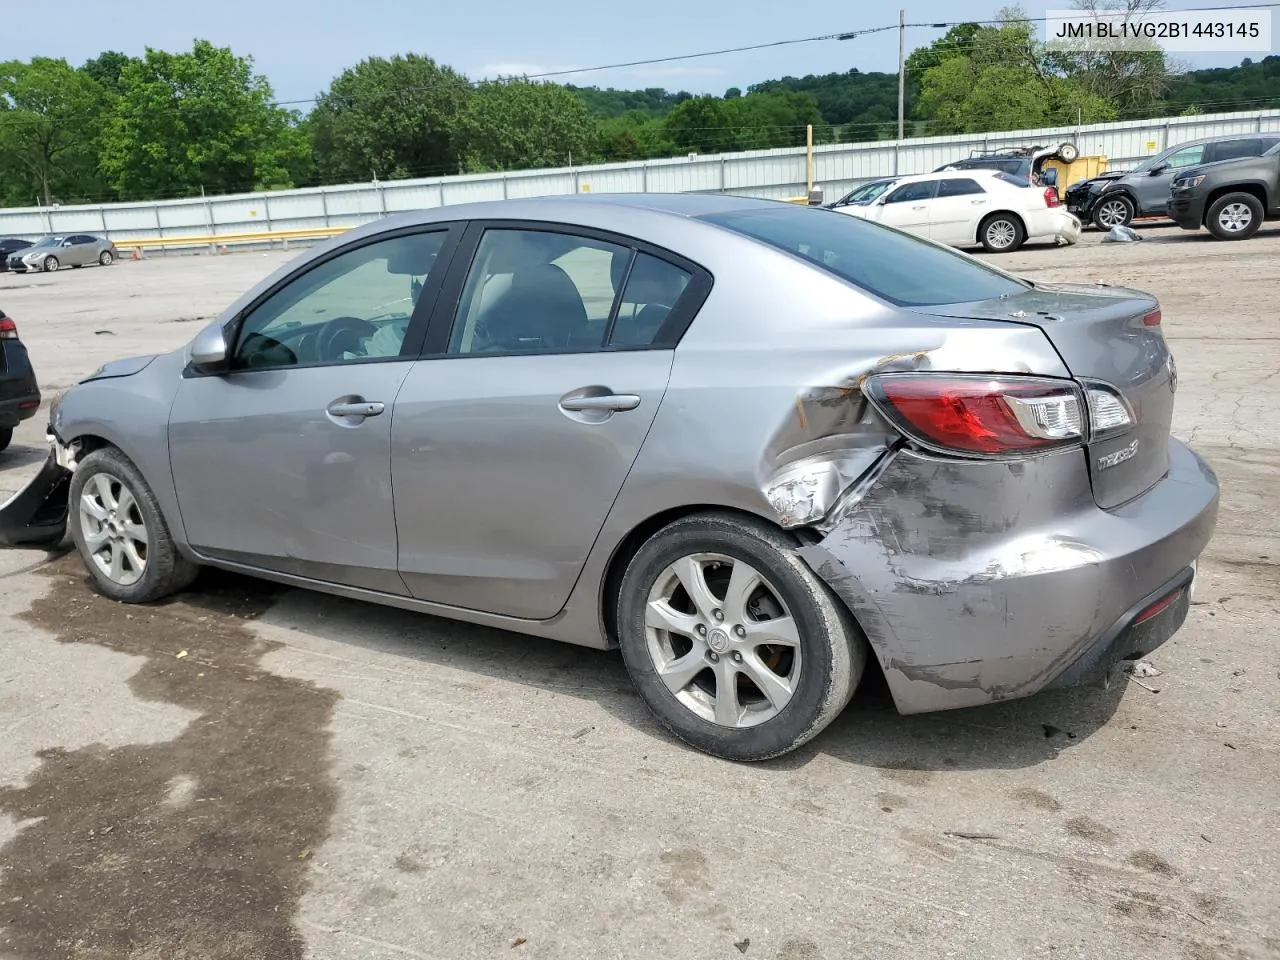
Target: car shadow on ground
870, 733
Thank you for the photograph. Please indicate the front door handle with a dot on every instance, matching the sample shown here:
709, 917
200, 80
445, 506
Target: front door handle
918, 207
610, 402
977, 203
355, 408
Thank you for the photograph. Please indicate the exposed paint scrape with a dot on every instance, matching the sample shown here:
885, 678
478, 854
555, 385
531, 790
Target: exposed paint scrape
194, 847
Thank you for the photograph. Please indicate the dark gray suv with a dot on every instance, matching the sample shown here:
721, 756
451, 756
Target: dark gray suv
1115, 199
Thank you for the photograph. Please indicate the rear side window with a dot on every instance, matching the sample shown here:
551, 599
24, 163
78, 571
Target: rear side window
958, 187
653, 287
1234, 149
890, 264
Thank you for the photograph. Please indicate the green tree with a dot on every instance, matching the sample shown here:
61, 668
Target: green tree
702, 125
106, 68
1004, 79
200, 120
635, 135
49, 119
390, 118
523, 124
775, 119
1134, 80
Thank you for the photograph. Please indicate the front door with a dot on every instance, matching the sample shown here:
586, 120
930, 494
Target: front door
1153, 188
510, 446
284, 462
908, 207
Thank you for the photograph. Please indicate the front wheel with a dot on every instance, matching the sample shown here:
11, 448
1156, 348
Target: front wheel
120, 532
1235, 216
1001, 233
1113, 212
50, 264
107, 258
736, 646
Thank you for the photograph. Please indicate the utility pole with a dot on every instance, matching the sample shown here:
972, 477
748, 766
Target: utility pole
902, 70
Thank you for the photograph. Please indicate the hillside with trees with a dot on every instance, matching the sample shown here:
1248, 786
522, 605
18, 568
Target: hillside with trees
178, 124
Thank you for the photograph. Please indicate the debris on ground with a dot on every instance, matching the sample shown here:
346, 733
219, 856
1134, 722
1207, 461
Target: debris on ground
1144, 669
960, 835
743, 944
518, 942
1120, 234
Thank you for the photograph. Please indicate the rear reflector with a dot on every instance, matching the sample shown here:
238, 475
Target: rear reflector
1159, 607
28, 404
8, 329
989, 416
1152, 319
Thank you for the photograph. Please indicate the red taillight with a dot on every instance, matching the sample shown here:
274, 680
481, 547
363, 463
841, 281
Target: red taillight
989, 416
8, 329
1051, 197
1152, 319
1157, 608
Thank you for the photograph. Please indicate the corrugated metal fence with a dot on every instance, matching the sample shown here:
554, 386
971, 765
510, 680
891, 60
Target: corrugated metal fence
774, 174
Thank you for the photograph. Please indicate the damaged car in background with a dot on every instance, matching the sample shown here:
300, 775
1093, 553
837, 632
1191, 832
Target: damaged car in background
761, 448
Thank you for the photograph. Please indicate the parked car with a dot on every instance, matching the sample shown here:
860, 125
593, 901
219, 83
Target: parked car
970, 207
1116, 198
19, 392
1025, 163
77, 250
1231, 197
8, 247
864, 193
756, 445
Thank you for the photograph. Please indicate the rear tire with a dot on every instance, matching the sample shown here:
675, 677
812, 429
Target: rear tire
6, 437
1235, 216
764, 615
1001, 233
120, 532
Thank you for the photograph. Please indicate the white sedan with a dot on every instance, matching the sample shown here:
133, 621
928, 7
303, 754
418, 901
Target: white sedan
964, 208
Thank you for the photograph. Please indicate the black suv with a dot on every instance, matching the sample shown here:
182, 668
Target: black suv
1231, 198
19, 394
1116, 199
10, 245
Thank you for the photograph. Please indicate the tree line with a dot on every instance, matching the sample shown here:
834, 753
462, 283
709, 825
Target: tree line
178, 124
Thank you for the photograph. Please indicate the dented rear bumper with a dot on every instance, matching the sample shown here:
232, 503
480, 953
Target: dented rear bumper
978, 582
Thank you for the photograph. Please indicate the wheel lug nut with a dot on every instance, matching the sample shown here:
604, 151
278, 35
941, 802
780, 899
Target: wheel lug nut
713, 657
739, 631
737, 657
718, 614
701, 629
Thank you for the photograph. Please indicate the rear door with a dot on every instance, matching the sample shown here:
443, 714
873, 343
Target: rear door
513, 436
908, 206
954, 214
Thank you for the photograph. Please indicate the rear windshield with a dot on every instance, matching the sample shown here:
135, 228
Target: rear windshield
887, 263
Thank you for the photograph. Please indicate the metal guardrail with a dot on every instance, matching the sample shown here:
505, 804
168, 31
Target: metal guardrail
216, 240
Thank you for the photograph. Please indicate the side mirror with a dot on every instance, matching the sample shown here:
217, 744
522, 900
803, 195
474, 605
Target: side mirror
1158, 169
66, 243
209, 350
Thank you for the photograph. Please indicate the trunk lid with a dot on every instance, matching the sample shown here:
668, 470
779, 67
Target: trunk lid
1099, 333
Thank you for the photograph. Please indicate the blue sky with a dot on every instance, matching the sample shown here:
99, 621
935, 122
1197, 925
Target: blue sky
302, 46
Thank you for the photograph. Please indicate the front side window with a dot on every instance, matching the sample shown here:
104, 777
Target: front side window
912, 191
1187, 157
890, 264
354, 307
537, 291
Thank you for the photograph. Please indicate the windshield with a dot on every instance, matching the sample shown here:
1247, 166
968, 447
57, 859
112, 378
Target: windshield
867, 192
888, 263
47, 242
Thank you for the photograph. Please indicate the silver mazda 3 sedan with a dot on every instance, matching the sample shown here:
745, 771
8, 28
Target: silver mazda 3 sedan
756, 446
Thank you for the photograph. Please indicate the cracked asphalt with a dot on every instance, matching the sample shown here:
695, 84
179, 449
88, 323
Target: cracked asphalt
249, 772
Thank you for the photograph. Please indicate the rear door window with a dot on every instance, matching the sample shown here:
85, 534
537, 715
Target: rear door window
891, 264
958, 187
1233, 149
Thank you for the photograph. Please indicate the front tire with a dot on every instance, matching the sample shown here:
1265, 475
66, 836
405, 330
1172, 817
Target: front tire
737, 647
1113, 212
107, 258
1001, 233
50, 264
120, 532
1235, 216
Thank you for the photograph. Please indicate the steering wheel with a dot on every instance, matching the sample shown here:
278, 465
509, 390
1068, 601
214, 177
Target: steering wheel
330, 344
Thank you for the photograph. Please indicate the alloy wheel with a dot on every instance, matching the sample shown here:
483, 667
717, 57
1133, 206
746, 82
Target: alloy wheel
115, 532
1001, 234
1113, 213
1235, 217
722, 640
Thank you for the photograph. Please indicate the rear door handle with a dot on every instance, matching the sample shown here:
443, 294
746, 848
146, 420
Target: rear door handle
355, 408
610, 401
